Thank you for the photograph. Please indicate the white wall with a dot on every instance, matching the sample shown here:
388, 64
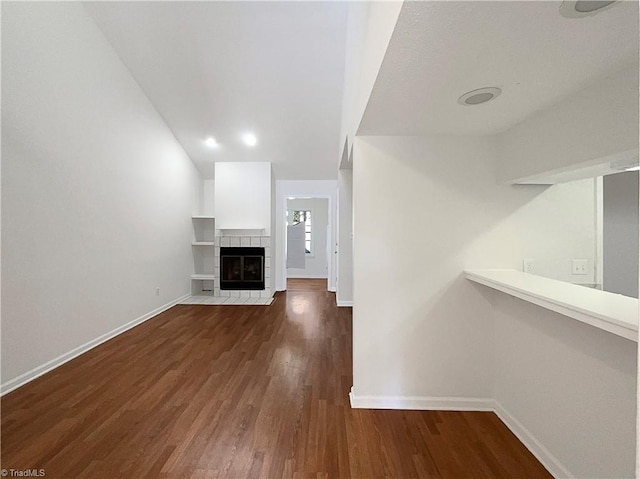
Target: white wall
243, 195
97, 194
620, 233
421, 208
344, 290
425, 209
302, 188
638, 379
569, 233
208, 197
275, 258
369, 29
599, 122
316, 264
572, 386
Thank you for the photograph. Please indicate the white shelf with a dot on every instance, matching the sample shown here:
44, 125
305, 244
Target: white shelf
203, 242
241, 231
206, 277
614, 313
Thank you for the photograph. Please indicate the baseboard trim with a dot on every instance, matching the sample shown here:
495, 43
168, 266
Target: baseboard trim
38, 371
344, 304
422, 403
546, 458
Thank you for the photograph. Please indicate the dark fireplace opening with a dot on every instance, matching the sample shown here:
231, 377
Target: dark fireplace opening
242, 268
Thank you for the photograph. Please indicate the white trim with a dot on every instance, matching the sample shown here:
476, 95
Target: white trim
306, 189
344, 304
548, 460
422, 403
38, 371
598, 277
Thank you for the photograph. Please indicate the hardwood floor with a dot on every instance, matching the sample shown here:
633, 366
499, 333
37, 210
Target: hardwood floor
240, 392
305, 284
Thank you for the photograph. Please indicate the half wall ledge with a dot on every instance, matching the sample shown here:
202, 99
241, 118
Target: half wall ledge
614, 313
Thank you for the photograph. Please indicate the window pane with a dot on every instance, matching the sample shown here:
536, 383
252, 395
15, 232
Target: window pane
303, 216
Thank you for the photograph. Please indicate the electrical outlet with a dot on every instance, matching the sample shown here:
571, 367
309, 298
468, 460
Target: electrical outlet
158, 291
579, 266
528, 266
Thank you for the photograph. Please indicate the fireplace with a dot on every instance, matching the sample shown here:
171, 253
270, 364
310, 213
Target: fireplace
241, 268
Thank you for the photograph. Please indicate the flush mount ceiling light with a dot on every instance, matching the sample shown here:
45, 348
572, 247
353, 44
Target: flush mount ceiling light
479, 96
211, 142
583, 8
249, 139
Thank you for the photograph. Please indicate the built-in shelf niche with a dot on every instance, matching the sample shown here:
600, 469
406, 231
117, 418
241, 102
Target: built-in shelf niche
203, 250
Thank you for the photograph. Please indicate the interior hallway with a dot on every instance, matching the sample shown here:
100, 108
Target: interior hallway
303, 284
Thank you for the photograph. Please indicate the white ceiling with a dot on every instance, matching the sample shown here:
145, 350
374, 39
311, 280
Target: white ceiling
440, 50
224, 68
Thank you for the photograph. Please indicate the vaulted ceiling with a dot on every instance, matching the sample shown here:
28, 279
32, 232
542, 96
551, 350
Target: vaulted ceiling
277, 69
221, 69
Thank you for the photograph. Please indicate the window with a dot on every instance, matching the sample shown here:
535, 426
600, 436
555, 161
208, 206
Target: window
304, 217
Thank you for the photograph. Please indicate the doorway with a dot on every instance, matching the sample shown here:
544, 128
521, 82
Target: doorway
307, 241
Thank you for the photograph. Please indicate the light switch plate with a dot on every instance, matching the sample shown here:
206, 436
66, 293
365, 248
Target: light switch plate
579, 266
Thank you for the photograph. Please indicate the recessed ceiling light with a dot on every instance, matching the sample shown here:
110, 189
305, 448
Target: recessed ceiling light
479, 96
249, 139
211, 142
583, 8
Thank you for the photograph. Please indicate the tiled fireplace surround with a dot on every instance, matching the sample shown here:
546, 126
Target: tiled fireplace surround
243, 241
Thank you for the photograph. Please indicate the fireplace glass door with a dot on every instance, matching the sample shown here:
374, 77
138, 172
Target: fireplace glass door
241, 268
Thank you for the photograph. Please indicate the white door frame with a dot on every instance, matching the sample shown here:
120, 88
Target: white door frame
303, 189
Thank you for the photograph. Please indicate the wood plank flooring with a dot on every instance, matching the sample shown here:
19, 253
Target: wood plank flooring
240, 392
304, 284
